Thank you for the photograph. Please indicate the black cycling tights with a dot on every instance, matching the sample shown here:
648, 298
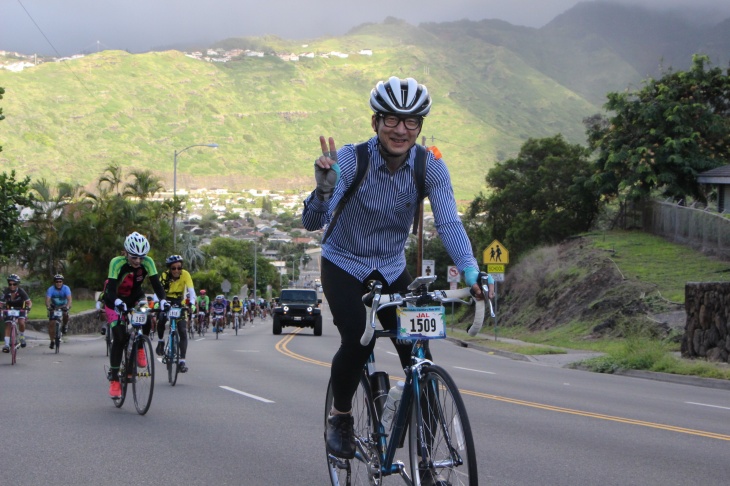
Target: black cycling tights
344, 296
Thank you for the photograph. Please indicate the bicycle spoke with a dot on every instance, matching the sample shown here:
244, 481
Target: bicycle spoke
144, 378
449, 456
364, 469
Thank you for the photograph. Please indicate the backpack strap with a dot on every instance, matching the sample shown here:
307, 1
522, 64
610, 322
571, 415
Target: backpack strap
362, 160
419, 175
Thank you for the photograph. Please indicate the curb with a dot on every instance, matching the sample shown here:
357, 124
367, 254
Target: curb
486, 349
647, 375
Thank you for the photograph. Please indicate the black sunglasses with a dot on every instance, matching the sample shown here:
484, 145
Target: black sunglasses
176, 267
12, 284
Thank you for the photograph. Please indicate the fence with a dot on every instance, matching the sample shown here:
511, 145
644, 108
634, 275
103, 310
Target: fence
701, 229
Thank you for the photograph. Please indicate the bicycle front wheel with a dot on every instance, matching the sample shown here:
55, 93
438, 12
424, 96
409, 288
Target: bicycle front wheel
173, 358
123, 376
445, 454
144, 376
13, 342
58, 337
364, 469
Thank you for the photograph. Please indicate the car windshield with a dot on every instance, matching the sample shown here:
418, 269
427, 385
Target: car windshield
303, 296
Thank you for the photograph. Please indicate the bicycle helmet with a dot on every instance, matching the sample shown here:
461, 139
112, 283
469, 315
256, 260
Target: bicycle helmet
400, 97
137, 245
173, 259
58, 276
218, 297
14, 278
235, 297
202, 292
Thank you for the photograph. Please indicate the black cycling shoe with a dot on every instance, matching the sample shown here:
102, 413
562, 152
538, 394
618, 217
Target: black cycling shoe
160, 348
53, 345
339, 436
102, 331
64, 329
182, 368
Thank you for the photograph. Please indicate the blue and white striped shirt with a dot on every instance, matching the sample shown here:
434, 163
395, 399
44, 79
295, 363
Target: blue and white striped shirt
373, 228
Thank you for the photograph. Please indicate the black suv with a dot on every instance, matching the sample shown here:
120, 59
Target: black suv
298, 308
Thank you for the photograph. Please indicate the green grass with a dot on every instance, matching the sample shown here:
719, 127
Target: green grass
38, 311
653, 259
638, 256
266, 114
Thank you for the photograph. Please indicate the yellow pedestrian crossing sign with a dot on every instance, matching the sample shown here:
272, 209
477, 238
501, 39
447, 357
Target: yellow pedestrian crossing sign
496, 253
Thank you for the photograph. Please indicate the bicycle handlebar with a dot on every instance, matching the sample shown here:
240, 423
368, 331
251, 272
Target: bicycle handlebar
376, 301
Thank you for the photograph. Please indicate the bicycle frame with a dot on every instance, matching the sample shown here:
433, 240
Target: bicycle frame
12, 320
430, 413
56, 315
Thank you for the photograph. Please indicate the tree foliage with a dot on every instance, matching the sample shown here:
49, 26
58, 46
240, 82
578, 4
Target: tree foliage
13, 197
540, 197
660, 137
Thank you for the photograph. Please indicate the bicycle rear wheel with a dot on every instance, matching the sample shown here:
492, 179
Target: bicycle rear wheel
144, 376
364, 469
450, 457
173, 358
123, 380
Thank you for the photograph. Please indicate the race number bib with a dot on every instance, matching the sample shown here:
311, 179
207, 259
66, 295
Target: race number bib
13, 312
174, 312
57, 313
139, 318
421, 323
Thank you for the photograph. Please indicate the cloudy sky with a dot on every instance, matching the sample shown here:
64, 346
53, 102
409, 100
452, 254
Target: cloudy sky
72, 26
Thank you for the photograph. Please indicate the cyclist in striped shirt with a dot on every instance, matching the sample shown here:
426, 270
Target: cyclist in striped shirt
368, 242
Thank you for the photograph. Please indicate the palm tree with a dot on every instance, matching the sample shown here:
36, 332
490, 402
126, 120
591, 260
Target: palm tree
144, 184
111, 178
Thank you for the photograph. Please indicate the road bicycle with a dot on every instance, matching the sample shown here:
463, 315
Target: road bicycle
55, 315
142, 378
11, 317
218, 321
202, 322
236, 321
431, 414
171, 357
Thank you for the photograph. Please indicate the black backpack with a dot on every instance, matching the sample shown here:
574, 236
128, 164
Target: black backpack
363, 163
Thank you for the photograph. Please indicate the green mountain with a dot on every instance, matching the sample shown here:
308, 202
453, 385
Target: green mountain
494, 85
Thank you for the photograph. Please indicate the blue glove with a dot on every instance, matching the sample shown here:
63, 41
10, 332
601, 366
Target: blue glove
164, 305
120, 303
470, 276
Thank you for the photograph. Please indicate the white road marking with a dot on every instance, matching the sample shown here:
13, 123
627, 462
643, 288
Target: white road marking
707, 405
477, 371
261, 399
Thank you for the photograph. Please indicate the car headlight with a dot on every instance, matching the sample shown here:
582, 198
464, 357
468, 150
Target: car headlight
309, 309
286, 308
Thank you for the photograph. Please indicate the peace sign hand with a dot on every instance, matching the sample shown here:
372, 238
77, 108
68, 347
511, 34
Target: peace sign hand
326, 169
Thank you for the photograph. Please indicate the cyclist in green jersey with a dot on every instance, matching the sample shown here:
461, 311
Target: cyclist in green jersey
123, 290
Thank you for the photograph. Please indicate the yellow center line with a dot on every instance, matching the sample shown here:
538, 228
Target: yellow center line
281, 346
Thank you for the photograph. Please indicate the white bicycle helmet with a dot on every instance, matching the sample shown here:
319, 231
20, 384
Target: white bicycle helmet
137, 245
400, 97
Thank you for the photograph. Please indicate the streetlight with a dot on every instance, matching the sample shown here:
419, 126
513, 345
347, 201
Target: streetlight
174, 188
254, 271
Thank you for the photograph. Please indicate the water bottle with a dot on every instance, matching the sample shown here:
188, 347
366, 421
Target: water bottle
391, 405
379, 385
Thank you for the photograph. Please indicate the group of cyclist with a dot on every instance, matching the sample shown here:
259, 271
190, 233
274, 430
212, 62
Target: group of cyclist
58, 296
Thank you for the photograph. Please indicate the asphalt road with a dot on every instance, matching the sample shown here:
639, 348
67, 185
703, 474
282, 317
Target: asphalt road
250, 412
